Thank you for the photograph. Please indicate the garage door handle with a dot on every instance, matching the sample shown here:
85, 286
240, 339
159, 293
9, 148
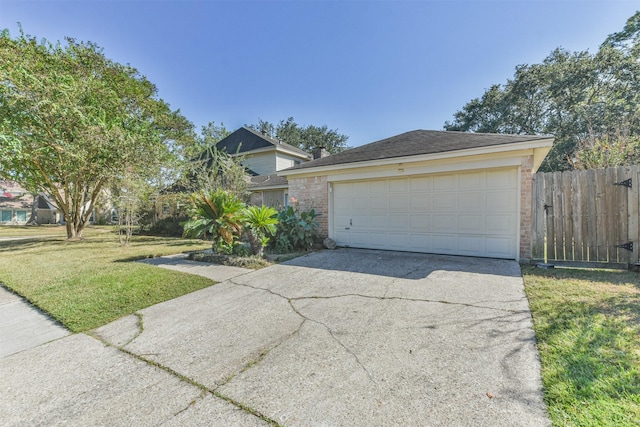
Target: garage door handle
347, 228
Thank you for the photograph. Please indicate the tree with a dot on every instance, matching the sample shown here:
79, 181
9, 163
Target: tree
73, 122
210, 168
610, 151
306, 138
575, 96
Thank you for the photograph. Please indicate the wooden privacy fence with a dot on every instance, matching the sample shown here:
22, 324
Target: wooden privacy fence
587, 216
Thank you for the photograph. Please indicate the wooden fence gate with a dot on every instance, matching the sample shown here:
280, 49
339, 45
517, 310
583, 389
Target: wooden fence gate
587, 216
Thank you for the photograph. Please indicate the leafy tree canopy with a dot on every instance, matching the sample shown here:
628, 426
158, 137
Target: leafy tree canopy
304, 137
575, 96
73, 122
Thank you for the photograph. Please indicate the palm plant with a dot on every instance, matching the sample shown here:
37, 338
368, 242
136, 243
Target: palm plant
216, 213
260, 223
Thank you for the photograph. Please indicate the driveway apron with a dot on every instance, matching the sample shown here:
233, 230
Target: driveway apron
347, 338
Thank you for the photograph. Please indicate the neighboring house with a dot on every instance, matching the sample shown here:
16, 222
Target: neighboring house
427, 191
263, 157
16, 206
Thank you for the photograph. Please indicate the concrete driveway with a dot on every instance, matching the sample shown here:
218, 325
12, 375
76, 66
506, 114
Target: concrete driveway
335, 338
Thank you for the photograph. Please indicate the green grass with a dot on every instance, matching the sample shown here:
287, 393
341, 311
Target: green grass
88, 283
27, 230
587, 325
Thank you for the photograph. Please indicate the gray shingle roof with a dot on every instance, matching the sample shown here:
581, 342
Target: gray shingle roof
264, 181
248, 140
418, 142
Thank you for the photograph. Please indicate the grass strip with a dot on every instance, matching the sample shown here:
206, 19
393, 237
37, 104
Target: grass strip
587, 324
89, 283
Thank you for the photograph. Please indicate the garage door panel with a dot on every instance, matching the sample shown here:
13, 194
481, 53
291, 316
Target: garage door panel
472, 180
421, 184
421, 242
399, 222
498, 201
419, 223
376, 187
399, 185
475, 200
472, 245
445, 182
360, 203
341, 221
379, 221
445, 202
500, 247
468, 213
445, 243
500, 224
444, 223
420, 202
399, 203
472, 224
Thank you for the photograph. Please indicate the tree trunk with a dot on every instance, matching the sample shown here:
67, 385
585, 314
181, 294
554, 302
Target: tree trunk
71, 231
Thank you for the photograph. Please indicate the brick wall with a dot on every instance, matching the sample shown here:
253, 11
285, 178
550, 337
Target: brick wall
526, 191
312, 193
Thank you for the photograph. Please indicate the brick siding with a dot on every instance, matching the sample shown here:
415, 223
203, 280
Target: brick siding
312, 193
526, 191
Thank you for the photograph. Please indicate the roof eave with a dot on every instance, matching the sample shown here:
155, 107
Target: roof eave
536, 145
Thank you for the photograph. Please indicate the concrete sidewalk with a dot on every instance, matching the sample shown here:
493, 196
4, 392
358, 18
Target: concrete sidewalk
23, 326
345, 337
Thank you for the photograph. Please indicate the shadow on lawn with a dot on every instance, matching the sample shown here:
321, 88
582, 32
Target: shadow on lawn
593, 342
621, 277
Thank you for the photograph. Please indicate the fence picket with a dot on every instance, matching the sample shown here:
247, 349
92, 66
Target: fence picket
588, 215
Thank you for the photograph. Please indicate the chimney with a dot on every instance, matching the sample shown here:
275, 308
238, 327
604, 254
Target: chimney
319, 153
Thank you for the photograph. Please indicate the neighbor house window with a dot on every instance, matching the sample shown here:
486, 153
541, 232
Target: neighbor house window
21, 216
6, 216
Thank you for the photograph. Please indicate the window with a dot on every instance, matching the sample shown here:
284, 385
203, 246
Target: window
21, 216
6, 216
296, 162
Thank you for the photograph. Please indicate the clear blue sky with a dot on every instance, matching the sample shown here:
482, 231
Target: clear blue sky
371, 69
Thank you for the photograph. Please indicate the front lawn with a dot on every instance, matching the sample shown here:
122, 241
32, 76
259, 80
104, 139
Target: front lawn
587, 325
88, 283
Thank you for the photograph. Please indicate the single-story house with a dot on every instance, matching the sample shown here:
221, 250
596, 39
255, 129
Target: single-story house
17, 206
427, 191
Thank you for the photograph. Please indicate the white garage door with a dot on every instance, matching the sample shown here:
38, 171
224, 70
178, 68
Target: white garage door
470, 213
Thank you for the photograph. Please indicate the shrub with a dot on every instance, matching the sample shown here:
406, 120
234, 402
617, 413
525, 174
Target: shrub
296, 229
170, 226
260, 223
219, 214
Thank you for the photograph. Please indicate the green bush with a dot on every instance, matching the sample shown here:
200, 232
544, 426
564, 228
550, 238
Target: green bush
171, 226
295, 230
218, 214
260, 223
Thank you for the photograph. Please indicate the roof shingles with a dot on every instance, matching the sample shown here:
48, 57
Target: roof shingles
418, 142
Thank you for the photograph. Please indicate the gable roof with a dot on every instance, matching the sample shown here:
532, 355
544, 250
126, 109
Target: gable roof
418, 142
244, 140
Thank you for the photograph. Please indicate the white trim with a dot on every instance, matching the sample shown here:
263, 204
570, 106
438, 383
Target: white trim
267, 188
426, 169
492, 149
273, 148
